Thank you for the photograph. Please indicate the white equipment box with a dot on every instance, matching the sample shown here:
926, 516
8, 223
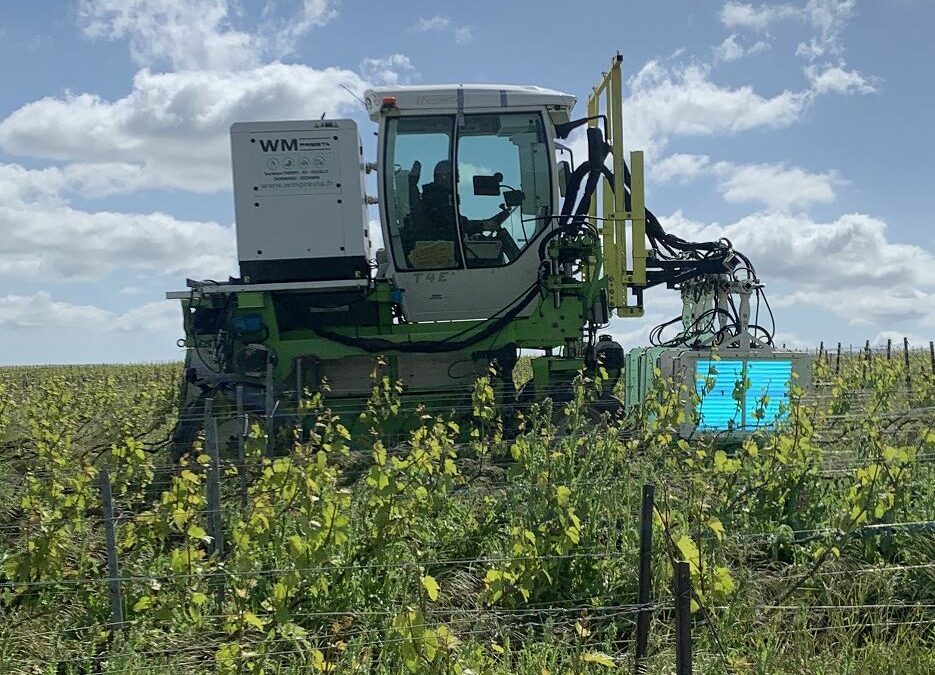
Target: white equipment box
299, 201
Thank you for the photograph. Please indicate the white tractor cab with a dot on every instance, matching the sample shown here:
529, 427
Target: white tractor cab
468, 182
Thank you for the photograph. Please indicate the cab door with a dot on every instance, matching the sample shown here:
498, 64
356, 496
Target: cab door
471, 256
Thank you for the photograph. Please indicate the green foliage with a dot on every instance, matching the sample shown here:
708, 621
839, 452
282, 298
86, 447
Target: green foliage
464, 547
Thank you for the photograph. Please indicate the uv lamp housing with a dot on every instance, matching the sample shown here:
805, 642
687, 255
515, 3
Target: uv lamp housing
299, 201
738, 391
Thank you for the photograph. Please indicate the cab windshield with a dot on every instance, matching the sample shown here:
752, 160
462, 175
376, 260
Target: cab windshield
472, 195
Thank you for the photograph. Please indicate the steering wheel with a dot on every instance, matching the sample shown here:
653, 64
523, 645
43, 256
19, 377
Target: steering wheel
501, 217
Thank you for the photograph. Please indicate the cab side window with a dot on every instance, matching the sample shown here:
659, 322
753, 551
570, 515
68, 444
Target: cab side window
420, 188
504, 185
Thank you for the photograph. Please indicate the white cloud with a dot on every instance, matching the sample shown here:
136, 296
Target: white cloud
174, 126
893, 308
847, 266
838, 80
171, 130
635, 332
86, 179
679, 166
442, 24
392, 69
661, 305
665, 101
313, 13
787, 340
186, 33
32, 326
196, 34
39, 310
162, 316
46, 238
915, 341
40, 186
828, 18
66, 243
776, 186
464, 35
105, 178
756, 17
731, 49
437, 22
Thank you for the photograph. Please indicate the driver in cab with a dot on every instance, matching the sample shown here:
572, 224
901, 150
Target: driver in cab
438, 214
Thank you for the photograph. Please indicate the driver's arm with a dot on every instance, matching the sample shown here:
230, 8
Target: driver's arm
487, 224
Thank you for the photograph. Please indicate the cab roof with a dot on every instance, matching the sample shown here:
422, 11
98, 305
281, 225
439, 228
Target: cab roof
446, 97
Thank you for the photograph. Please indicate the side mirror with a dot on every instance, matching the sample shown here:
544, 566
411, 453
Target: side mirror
564, 171
488, 186
513, 198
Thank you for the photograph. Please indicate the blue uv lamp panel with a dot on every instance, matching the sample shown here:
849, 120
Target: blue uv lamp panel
741, 394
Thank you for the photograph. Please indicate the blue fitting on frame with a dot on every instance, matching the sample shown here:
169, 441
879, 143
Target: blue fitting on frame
247, 323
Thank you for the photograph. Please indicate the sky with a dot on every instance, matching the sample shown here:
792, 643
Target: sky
801, 131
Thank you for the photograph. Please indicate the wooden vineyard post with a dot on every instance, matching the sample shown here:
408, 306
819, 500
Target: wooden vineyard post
242, 431
889, 349
837, 362
645, 576
683, 618
113, 564
213, 480
213, 488
932, 354
906, 360
269, 406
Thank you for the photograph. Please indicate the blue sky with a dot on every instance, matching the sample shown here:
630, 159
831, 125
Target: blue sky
801, 131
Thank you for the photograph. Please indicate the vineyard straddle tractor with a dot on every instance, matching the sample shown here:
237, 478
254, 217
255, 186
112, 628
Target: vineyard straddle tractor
497, 241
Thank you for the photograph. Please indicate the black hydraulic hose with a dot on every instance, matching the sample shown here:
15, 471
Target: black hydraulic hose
597, 155
545, 242
566, 219
654, 229
574, 184
589, 188
379, 345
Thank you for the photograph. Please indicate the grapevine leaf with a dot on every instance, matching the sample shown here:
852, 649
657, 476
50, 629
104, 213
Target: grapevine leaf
252, 619
689, 552
717, 527
599, 657
197, 532
143, 603
723, 582
562, 493
431, 587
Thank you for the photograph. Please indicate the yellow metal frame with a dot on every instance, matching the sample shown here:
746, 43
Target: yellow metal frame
607, 99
